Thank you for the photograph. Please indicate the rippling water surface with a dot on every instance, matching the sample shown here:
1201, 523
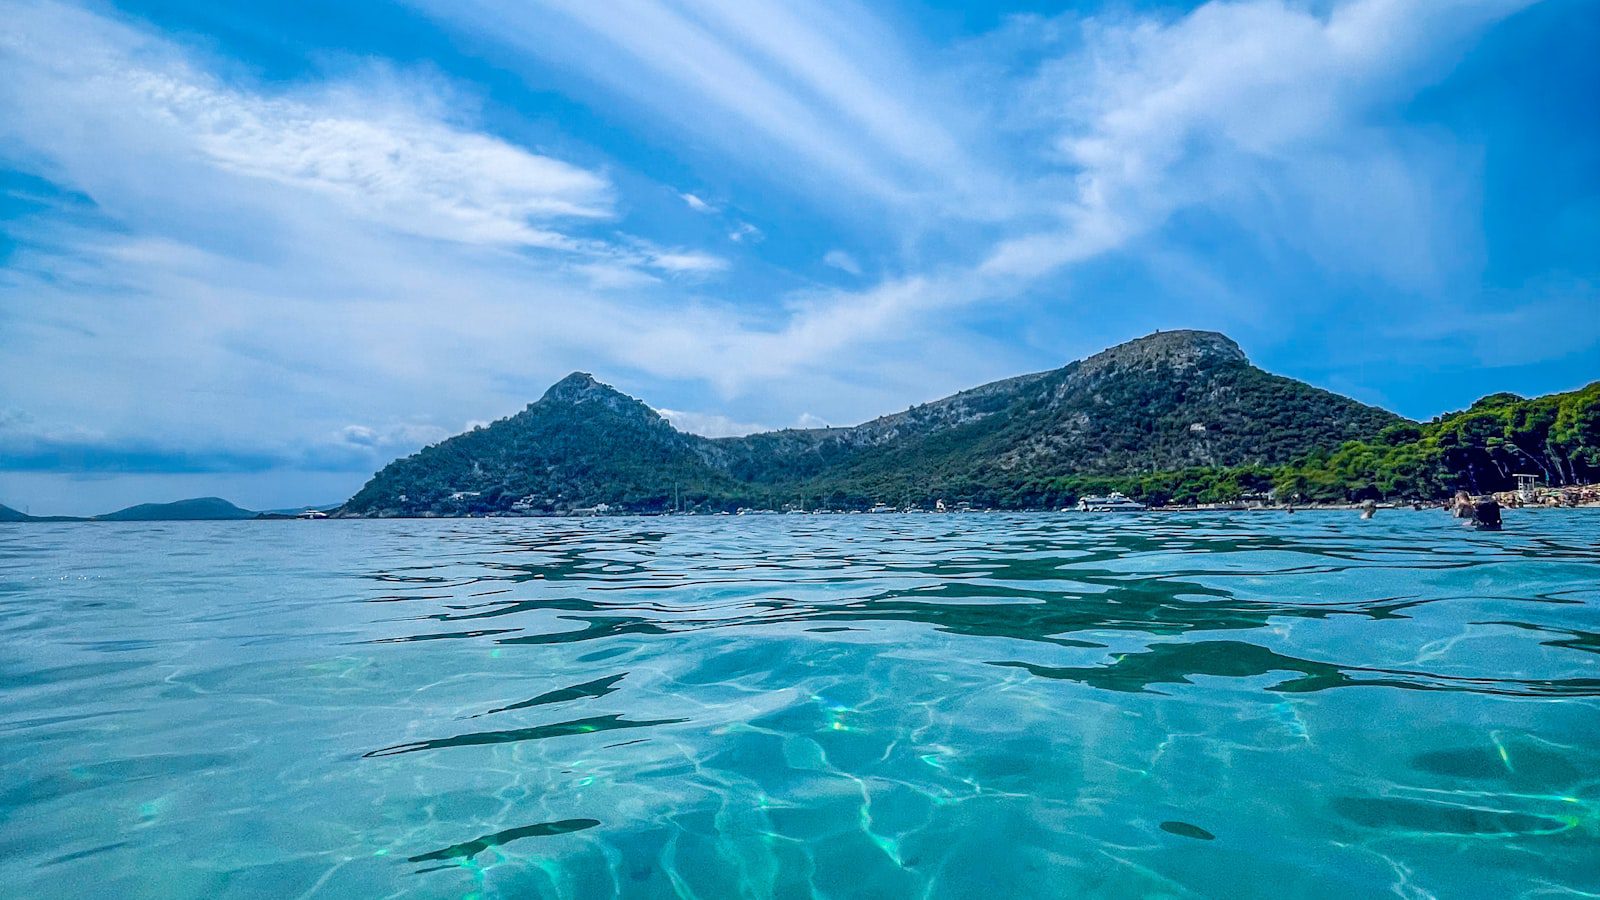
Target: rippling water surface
1247, 705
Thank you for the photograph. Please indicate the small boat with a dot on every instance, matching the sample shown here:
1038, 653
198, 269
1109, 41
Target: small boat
1115, 502
882, 508
312, 514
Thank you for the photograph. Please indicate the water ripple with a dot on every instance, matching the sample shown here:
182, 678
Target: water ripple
934, 706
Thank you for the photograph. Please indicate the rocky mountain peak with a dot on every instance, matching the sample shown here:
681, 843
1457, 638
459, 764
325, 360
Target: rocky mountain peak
573, 388
1178, 349
581, 389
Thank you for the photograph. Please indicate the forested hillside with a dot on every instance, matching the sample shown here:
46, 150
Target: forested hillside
1556, 437
1177, 416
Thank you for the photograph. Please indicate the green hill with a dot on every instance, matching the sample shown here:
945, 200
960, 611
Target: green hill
1168, 401
1480, 449
198, 509
580, 445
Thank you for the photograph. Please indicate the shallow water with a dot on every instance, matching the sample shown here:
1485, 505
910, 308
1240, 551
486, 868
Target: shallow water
1223, 705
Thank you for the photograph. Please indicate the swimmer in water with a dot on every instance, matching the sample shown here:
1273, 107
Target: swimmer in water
1484, 515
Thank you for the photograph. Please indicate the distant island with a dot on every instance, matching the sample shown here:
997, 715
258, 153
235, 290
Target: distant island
198, 509
1177, 417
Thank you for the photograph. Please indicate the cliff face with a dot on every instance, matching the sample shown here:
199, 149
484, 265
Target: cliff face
1168, 400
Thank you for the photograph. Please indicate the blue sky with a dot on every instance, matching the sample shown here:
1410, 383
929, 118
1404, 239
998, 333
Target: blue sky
258, 250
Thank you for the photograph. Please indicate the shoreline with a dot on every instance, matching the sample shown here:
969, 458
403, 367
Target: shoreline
1583, 497
1157, 510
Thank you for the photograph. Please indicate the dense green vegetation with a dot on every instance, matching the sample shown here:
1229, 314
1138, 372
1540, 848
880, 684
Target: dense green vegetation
1556, 437
1176, 417
581, 445
1169, 431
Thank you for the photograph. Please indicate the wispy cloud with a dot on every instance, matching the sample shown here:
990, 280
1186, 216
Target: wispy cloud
745, 232
695, 203
1276, 116
406, 171
829, 96
715, 425
27, 445
280, 259
1264, 109
383, 159
842, 261
271, 263
712, 425
685, 261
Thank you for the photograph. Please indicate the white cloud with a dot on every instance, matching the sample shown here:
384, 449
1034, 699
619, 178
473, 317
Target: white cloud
1262, 111
396, 438
264, 258
842, 261
685, 262
825, 96
709, 424
407, 171
1262, 108
1273, 114
696, 204
743, 232
272, 266
716, 425
377, 158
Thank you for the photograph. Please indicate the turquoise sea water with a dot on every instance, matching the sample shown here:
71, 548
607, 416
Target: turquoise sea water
1224, 705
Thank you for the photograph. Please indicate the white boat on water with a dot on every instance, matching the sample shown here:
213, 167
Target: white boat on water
883, 508
1115, 502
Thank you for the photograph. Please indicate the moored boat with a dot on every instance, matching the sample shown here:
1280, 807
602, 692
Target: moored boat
1116, 501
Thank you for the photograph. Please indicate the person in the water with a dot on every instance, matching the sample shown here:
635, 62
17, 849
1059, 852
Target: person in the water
1484, 515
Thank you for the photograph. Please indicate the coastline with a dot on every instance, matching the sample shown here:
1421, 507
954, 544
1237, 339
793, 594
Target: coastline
1570, 498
